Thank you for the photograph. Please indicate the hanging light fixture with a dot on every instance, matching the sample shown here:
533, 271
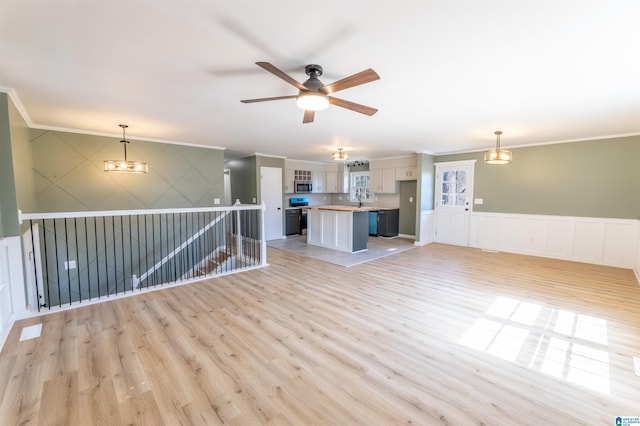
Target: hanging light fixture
498, 156
125, 166
340, 155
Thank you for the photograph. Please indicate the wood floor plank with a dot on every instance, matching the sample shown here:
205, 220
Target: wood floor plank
434, 335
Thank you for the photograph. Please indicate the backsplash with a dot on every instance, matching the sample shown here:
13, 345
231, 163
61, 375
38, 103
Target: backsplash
382, 200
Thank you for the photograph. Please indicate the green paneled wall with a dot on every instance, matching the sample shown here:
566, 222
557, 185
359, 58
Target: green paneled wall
69, 176
8, 199
598, 178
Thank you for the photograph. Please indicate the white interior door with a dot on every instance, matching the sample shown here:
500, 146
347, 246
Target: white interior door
271, 195
453, 203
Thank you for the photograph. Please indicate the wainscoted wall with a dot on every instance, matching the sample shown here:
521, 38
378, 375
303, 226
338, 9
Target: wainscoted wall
604, 241
13, 305
427, 227
637, 268
68, 174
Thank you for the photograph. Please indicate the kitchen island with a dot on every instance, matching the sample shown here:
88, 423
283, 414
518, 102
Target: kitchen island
343, 228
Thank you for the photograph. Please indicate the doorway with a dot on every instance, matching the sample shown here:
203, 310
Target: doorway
453, 198
271, 196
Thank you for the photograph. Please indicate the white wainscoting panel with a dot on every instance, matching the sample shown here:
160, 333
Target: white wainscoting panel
604, 241
427, 227
13, 304
637, 269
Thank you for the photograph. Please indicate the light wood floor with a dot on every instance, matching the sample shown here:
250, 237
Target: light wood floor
434, 335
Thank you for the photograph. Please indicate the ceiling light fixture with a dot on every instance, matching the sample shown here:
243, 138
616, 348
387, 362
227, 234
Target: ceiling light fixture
312, 101
125, 166
340, 155
498, 156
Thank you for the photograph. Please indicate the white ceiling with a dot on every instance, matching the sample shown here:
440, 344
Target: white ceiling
452, 72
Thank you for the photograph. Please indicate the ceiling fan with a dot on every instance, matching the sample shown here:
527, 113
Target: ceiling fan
313, 95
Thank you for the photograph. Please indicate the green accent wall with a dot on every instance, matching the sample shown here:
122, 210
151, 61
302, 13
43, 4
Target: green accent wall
245, 176
597, 178
244, 181
9, 225
22, 161
69, 176
408, 210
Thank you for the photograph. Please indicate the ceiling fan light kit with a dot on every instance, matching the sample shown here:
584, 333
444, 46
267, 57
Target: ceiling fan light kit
125, 166
339, 155
313, 95
312, 101
498, 156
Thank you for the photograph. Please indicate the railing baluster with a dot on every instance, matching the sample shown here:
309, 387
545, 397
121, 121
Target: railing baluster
168, 246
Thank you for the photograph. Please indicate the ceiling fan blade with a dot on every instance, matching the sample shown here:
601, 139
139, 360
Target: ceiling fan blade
278, 73
276, 98
362, 77
308, 116
362, 109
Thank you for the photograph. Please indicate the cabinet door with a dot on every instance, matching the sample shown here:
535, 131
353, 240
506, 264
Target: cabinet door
375, 180
388, 181
407, 173
332, 182
382, 181
288, 181
319, 181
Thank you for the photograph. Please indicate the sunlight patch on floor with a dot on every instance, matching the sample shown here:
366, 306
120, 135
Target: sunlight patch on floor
31, 332
563, 344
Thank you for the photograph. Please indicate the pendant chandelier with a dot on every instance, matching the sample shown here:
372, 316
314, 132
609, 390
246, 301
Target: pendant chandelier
339, 155
498, 156
125, 166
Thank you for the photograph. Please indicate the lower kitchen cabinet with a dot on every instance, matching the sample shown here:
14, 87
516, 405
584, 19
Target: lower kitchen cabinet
292, 221
388, 222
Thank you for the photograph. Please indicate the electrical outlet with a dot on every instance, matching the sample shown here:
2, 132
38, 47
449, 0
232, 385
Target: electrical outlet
254, 200
70, 264
478, 201
216, 201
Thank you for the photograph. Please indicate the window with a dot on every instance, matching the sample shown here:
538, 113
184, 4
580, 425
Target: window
454, 185
359, 187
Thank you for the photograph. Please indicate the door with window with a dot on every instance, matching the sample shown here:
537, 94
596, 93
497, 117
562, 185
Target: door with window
453, 203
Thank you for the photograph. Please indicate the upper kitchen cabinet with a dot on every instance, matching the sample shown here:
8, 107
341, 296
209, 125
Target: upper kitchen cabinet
288, 181
337, 179
382, 181
319, 181
387, 172
407, 173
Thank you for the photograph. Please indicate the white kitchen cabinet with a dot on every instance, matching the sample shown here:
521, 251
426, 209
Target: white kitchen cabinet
343, 181
382, 181
332, 182
407, 173
289, 181
319, 181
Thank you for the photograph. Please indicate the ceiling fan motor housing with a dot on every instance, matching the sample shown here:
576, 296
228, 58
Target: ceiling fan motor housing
313, 83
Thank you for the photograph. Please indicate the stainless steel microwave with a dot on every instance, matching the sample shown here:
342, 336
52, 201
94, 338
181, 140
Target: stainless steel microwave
302, 186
